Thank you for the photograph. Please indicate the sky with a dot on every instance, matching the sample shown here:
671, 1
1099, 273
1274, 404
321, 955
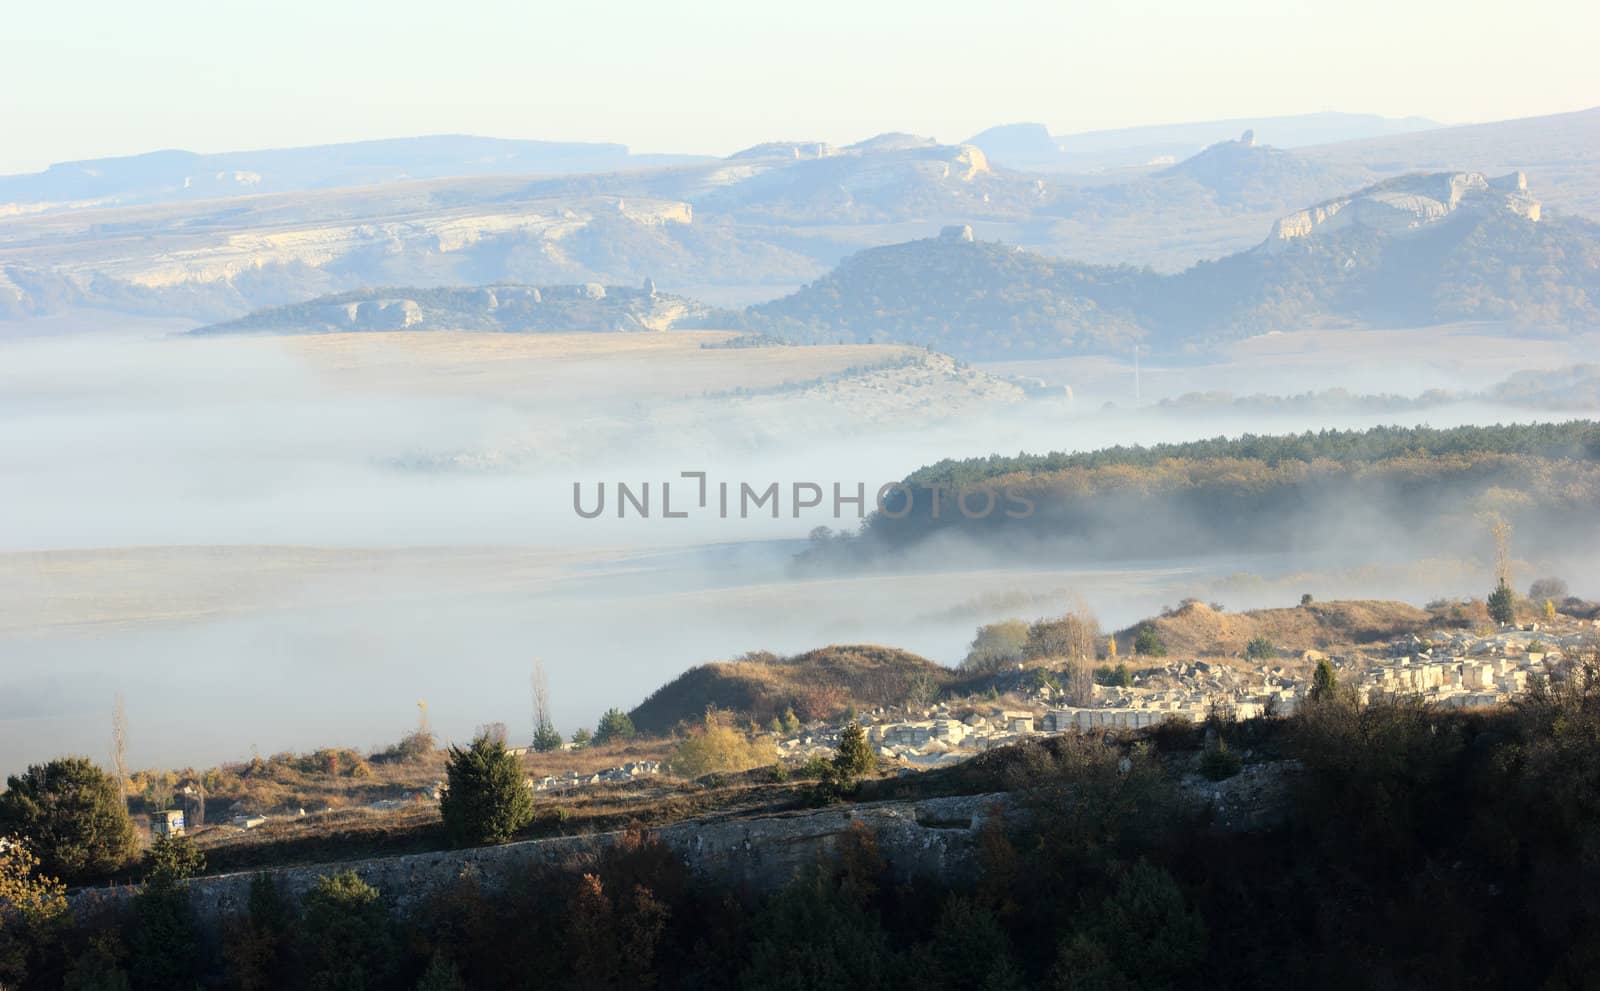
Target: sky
93, 78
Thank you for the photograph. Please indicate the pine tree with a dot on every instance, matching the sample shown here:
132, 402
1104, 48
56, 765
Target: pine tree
73, 814
351, 940
441, 975
614, 725
854, 756
1147, 642
1503, 604
1324, 683
174, 858
486, 797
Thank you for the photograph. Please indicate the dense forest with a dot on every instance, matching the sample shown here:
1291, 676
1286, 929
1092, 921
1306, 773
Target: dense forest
1408, 847
1387, 486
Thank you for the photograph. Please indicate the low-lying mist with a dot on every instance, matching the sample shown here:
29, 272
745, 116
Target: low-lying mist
268, 547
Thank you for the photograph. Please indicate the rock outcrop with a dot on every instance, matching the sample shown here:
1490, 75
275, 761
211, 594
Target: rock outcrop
588, 306
796, 150
1408, 203
930, 838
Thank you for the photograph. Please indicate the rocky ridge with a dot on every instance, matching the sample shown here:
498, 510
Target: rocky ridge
1409, 203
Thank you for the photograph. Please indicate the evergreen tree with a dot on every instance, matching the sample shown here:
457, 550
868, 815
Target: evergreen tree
73, 815
854, 757
441, 975
1260, 649
1143, 937
174, 858
1324, 683
614, 725
165, 945
810, 936
547, 738
1503, 604
486, 797
1147, 642
166, 950
350, 939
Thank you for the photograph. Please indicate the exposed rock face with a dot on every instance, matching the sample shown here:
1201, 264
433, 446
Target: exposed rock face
179, 255
383, 314
935, 837
796, 150
1408, 203
1019, 145
893, 141
956, 232
509, 308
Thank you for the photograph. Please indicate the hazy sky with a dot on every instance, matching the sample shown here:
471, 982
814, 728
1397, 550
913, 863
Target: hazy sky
87, 78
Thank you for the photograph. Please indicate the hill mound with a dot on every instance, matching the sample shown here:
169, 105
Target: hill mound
1395, 489
1419, 250
1242, 171
509, 308
816, 685
1196, 629
1558, 152
954, 294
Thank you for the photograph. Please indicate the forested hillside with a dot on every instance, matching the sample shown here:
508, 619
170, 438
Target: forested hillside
1397, 490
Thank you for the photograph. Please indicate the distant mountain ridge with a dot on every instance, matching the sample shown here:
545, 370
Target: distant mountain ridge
730, 231
187, 175
1032, 146
1418, 250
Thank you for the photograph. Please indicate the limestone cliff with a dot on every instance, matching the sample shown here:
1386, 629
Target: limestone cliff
509, 308
931, 838
1408, 203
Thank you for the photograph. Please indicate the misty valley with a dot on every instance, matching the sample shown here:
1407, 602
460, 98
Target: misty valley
1150, 557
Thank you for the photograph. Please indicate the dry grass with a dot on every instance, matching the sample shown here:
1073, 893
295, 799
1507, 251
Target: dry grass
355, 834
591, 759
1197, 630
818, 684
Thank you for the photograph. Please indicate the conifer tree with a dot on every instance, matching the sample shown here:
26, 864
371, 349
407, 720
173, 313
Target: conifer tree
486, 797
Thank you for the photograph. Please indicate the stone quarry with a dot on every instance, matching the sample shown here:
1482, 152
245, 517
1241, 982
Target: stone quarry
1451, 668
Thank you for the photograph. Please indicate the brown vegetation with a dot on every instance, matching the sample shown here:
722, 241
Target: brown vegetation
818, 684
1195, 629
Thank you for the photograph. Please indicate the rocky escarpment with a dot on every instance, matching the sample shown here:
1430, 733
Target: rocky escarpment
931, 838
214, 259
508, 308
1409, 203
